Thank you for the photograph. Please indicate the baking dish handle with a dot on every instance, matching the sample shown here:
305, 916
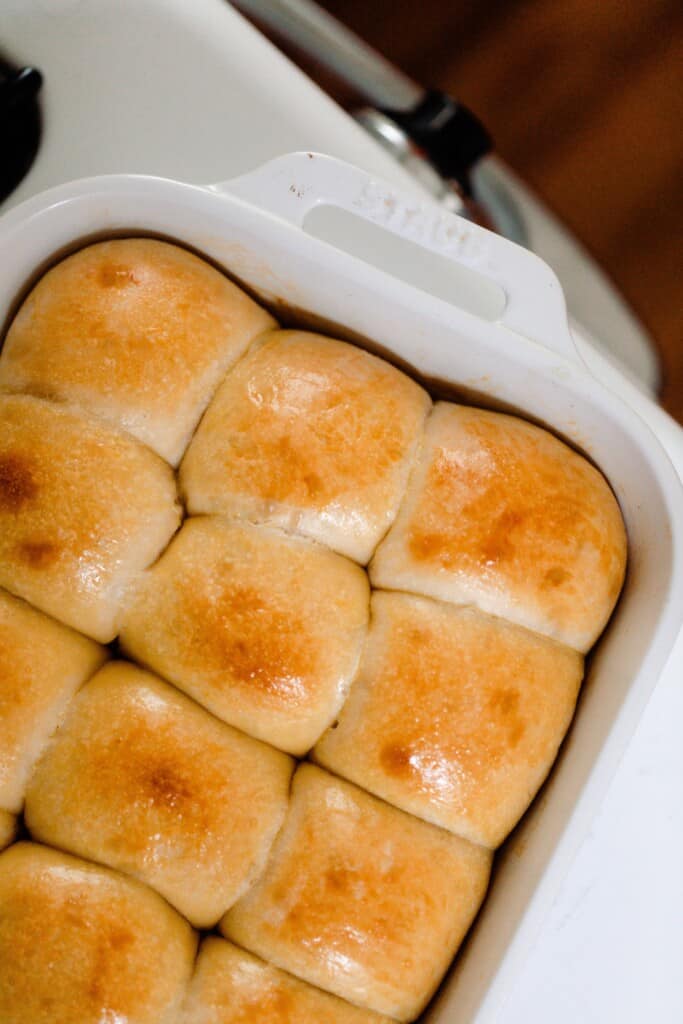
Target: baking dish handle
291, 186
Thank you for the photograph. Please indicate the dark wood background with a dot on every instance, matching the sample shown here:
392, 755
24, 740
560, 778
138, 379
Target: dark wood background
584, 100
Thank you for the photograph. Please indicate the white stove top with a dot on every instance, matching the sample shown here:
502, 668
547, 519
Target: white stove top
190, 91
161, 87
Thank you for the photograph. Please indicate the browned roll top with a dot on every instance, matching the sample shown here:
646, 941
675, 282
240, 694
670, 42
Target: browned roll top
134, 330
163, 791
80, 944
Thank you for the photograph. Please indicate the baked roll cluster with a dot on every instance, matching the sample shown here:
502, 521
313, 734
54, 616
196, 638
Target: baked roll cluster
345, 629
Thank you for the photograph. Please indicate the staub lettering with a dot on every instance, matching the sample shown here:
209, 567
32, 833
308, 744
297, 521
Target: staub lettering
421, 225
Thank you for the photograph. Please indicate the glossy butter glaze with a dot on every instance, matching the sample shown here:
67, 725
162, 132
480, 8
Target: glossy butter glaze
83, 945
164, 792
230, 986
503, 515
454, 716
312, 435
134, 330
361, 899
83, 508
263, 629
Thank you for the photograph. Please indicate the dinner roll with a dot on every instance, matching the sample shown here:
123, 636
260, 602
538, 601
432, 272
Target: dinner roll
83, 508
83, 945
455, 716
42, 664
135, 330
232, 987
142, 779
312, 435
263, 629
361, 899
503, 515
8, 828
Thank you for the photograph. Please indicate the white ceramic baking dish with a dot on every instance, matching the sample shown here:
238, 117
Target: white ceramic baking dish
515, 353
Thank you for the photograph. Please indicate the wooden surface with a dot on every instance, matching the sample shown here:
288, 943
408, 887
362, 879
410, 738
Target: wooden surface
584, 100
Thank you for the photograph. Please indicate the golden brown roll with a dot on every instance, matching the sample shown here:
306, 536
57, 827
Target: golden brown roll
83, 945
134, 330
311, 435
263, 629
454, 716
42, 664
140, 778
83, 508
501, 514
8, 828
361, 899
231, 986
